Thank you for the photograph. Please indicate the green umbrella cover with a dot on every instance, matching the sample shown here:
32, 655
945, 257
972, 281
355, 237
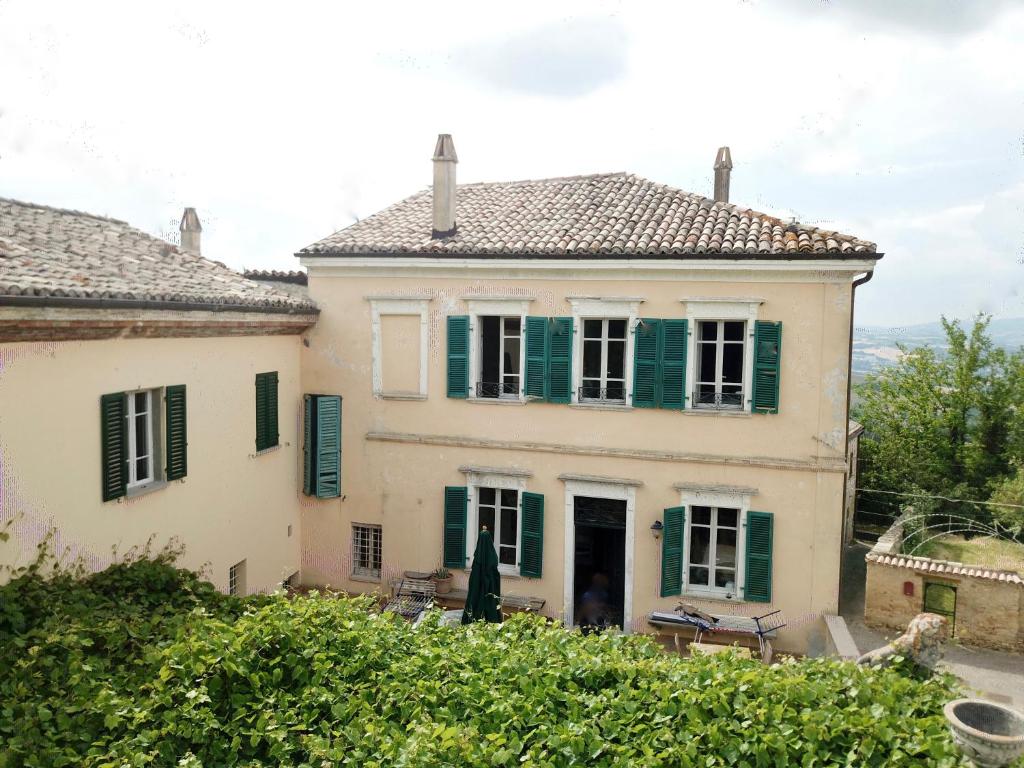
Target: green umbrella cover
484, 594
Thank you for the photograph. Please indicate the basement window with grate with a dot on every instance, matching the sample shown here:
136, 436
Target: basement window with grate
366, 551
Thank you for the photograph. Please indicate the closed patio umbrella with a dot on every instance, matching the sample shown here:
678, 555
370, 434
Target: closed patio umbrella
484, 593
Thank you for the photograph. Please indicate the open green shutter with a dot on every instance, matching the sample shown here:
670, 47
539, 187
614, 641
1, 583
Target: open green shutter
672, 551
456, 500
673, 363
308, 444
645, 363
113, 445
458, 356
758, 580
531, 547
560, 360
767, 354
266, 410
271, 429
176, 432
536, 357
328, 446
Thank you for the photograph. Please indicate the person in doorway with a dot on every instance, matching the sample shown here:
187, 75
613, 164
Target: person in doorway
593, 610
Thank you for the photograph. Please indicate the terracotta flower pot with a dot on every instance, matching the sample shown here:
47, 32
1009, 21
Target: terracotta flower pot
443, 585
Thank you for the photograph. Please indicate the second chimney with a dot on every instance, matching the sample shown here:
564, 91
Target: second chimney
191, 230
723, 169
445, 160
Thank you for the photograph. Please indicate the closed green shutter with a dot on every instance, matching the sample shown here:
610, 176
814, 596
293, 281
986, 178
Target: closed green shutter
645, 363
673, 363
266, 410
308, 446
458, 356
758, 581
531, 546
113, 446
176, 432
328, 446
672, 551
456, 500
767, 355
560, 360
536, 357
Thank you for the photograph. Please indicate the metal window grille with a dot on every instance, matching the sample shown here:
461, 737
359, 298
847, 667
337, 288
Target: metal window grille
233, 577
366, 550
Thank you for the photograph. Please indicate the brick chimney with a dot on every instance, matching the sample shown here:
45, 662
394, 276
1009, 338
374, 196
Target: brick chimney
191, 230
723, 169
445, 160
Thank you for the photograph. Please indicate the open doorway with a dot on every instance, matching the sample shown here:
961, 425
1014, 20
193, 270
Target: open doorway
599, 564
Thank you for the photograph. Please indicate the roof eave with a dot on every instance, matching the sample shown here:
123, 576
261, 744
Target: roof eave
667, 256
86, 302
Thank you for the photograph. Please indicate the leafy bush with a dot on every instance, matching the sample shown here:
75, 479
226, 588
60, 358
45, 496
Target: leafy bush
185, 676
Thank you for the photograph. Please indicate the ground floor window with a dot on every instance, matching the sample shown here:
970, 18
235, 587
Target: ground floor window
712, 553
498, 512
366, 550
236, 579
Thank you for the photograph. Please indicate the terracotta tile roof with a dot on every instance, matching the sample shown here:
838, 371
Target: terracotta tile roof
946, 567
64, 256
603, 215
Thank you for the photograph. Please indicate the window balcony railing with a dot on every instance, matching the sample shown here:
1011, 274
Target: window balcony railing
719, 400
496, 389
592, 393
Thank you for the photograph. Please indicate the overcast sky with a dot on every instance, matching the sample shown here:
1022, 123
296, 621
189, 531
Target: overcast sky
902, 123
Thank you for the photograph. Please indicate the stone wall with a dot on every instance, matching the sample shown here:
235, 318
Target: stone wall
989, 602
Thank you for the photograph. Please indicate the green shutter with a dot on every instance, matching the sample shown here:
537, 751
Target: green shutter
767, 354
531, 546
328, 446
458, 356
456, 500
266, 410
672, 551
536, 357
308, 445
758, 581
176, 432
673, 363
645, 363
113, 445
559, 364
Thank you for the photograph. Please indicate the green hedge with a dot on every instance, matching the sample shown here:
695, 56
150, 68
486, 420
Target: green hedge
107, 672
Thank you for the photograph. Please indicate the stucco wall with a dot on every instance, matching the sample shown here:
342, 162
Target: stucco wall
794, 459
232, 506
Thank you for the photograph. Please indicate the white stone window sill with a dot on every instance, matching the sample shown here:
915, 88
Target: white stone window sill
718, 597
401, 396
143, 490
598, 406
265, 451
365, 578
495, 401
728, 413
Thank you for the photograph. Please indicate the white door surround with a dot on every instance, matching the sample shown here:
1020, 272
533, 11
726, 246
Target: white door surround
601, 489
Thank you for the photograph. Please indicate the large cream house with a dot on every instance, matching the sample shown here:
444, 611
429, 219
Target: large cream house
613, 376
145, 392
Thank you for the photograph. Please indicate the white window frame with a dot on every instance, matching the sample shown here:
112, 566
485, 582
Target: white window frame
133, 454
603, 308
398, 305
604, 339
720, 343
233, 580
499, 306
499, 479
373, 532
739, 500
725, 309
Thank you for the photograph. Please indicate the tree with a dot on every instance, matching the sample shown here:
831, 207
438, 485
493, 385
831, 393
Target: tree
943, 423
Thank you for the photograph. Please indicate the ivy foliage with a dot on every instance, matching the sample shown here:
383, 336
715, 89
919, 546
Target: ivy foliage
146, 665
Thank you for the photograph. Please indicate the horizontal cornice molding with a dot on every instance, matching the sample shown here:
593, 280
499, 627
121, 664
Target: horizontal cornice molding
457, 441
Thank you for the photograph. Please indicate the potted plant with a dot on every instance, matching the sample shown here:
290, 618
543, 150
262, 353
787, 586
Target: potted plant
442, 579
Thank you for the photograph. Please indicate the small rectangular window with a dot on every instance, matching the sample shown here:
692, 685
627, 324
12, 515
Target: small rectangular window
500, 356
236, 579
720, 361
366, 550
604, 361
139, 412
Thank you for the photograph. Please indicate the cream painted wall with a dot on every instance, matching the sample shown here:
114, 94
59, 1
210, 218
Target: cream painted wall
233, 505
400, 484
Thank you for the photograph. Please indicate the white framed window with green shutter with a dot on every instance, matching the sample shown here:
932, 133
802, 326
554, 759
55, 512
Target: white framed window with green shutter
497, 348
321, 446
715, 546
499, 500
602, 349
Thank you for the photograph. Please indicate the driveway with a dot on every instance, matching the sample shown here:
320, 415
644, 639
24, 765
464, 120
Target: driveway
992, 675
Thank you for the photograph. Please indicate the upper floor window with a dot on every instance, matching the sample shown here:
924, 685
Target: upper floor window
604, 360
500, 356
139, 455
720, 363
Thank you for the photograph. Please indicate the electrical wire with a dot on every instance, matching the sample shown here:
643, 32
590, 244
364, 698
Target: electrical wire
943, 498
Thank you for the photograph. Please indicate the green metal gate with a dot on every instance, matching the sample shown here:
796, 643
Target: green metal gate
941, 599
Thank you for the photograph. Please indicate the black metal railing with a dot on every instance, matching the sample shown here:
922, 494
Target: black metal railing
593, 393
723, 400
496, 389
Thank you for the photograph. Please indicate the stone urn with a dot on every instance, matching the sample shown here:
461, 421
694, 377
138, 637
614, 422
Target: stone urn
991, 735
